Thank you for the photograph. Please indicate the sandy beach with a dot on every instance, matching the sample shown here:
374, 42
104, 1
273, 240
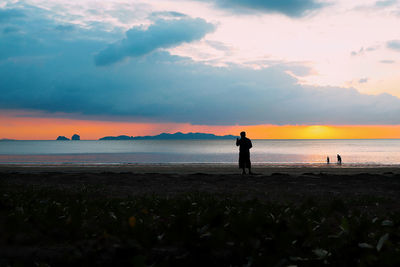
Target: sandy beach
276, 183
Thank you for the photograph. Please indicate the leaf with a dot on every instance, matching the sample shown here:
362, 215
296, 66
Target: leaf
272, 216
365, 245
382, 241
298, 259
321, 253
207, 234
315, 228
387, 223
112, 215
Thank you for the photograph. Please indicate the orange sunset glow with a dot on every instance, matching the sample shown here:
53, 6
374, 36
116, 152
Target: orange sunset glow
27, 128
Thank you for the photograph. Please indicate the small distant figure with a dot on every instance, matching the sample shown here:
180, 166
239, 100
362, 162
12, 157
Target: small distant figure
339, 159
327, 160
244, 145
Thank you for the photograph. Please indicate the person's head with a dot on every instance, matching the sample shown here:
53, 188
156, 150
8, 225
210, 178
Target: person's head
243, 134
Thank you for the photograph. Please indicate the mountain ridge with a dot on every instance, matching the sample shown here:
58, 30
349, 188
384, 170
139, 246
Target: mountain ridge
173, 136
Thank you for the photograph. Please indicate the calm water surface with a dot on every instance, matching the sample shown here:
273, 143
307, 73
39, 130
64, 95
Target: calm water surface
363, 152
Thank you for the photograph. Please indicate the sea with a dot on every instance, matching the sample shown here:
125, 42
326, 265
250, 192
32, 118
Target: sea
273, 152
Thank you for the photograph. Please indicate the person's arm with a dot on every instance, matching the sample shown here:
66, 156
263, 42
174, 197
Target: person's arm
250, 144
237, 142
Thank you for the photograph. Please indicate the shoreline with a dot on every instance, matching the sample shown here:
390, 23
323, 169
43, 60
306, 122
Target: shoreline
277, 184
206, 168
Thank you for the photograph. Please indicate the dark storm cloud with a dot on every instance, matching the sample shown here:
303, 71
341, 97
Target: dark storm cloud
55, 72
291, 8
161, 34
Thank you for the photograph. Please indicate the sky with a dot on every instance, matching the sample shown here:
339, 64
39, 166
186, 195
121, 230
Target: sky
277, 69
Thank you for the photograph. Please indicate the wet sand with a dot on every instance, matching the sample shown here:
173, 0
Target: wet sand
271, 183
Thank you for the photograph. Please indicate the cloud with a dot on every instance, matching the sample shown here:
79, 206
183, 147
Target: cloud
387, 61
290, 8
10, 30
363, 80
372, 48
8, 14
385, 3
393, 44
20, 38
161, 34
165, 88
65, 28
359, 52
300, 69
167, 14
378, 5
54, 73
362, 51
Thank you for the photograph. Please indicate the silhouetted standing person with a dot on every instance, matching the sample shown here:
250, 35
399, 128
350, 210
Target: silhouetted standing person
244, 145
327, 160
339, 159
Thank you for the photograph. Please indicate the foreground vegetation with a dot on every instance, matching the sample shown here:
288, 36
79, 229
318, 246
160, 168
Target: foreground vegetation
45, 227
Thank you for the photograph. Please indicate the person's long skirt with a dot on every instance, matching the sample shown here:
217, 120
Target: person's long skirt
244, 160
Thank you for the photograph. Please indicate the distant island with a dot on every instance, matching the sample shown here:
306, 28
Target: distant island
63, 138
174, 136
120, 137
